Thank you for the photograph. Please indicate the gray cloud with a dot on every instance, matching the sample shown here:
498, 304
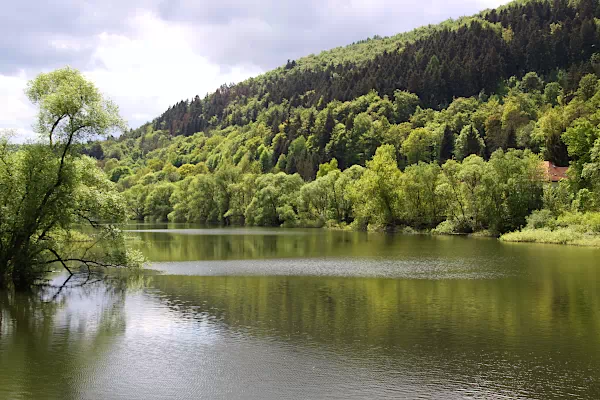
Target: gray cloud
264, 33
268, 32
29, 31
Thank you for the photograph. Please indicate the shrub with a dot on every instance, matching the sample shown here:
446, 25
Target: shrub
445, 228
541, 219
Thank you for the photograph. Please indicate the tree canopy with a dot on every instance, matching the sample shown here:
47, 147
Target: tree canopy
47, 189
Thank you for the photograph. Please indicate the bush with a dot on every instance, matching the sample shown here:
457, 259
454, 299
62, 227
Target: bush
558, 199
407, 230
583, 222
593, 222
584, 201
541, 219
445, 228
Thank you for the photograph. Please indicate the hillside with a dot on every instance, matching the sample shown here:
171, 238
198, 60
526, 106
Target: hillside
524, 76
438, 63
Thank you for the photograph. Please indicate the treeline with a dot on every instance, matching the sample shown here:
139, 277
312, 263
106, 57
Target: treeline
470, 196
456, 59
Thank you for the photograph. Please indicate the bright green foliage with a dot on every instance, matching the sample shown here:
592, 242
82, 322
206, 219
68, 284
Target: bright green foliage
460, 189
190, 170
541, 219
317, 198
71, 109
326, 168
584, 143
513, 188
552, 93
497, 195
547, 134
169, 173
266, 161
575, 228
405, 104
155, 165
421, 145
558, 198
229, 177
328, 198
275, 201
363, 141
423, 207
380, 184
193, 199
336, 147
580, 139
587, 87
242, 193
135, 198
46, 189
119, 172
298, 159
468, 142
281, 163
158, 206
225, 177
292, 139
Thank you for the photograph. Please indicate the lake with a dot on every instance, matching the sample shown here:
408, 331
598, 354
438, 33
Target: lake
311, 314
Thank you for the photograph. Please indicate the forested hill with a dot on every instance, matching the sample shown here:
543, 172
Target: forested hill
447, 124
438, 63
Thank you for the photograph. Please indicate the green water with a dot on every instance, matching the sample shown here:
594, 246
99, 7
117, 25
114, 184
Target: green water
311, 314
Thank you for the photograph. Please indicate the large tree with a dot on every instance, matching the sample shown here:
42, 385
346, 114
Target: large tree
47, 189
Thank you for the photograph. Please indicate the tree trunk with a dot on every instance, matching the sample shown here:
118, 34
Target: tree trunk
3, 277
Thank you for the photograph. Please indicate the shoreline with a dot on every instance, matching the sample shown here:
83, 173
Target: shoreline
564, 236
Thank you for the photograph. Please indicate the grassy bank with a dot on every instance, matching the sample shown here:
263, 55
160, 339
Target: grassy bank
567, 236
577, 229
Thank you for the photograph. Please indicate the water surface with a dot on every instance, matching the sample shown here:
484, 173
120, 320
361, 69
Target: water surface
311, 314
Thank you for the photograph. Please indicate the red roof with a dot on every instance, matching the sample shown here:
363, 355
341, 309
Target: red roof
554, 173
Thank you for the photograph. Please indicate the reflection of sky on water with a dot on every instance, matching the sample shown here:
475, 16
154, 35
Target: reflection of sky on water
346, 267
315, 315
172, 350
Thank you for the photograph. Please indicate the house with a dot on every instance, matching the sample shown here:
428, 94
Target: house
553, 173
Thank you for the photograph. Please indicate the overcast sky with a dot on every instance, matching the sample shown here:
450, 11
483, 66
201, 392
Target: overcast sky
147, 55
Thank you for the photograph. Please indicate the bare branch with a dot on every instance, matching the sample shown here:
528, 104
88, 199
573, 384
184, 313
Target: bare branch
63, 262
89, 263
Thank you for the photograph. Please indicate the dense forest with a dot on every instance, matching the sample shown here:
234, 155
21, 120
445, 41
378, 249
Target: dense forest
442, 128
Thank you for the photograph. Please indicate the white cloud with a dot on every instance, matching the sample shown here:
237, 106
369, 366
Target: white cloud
271, 31
155, 67
16, 112
144, 73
